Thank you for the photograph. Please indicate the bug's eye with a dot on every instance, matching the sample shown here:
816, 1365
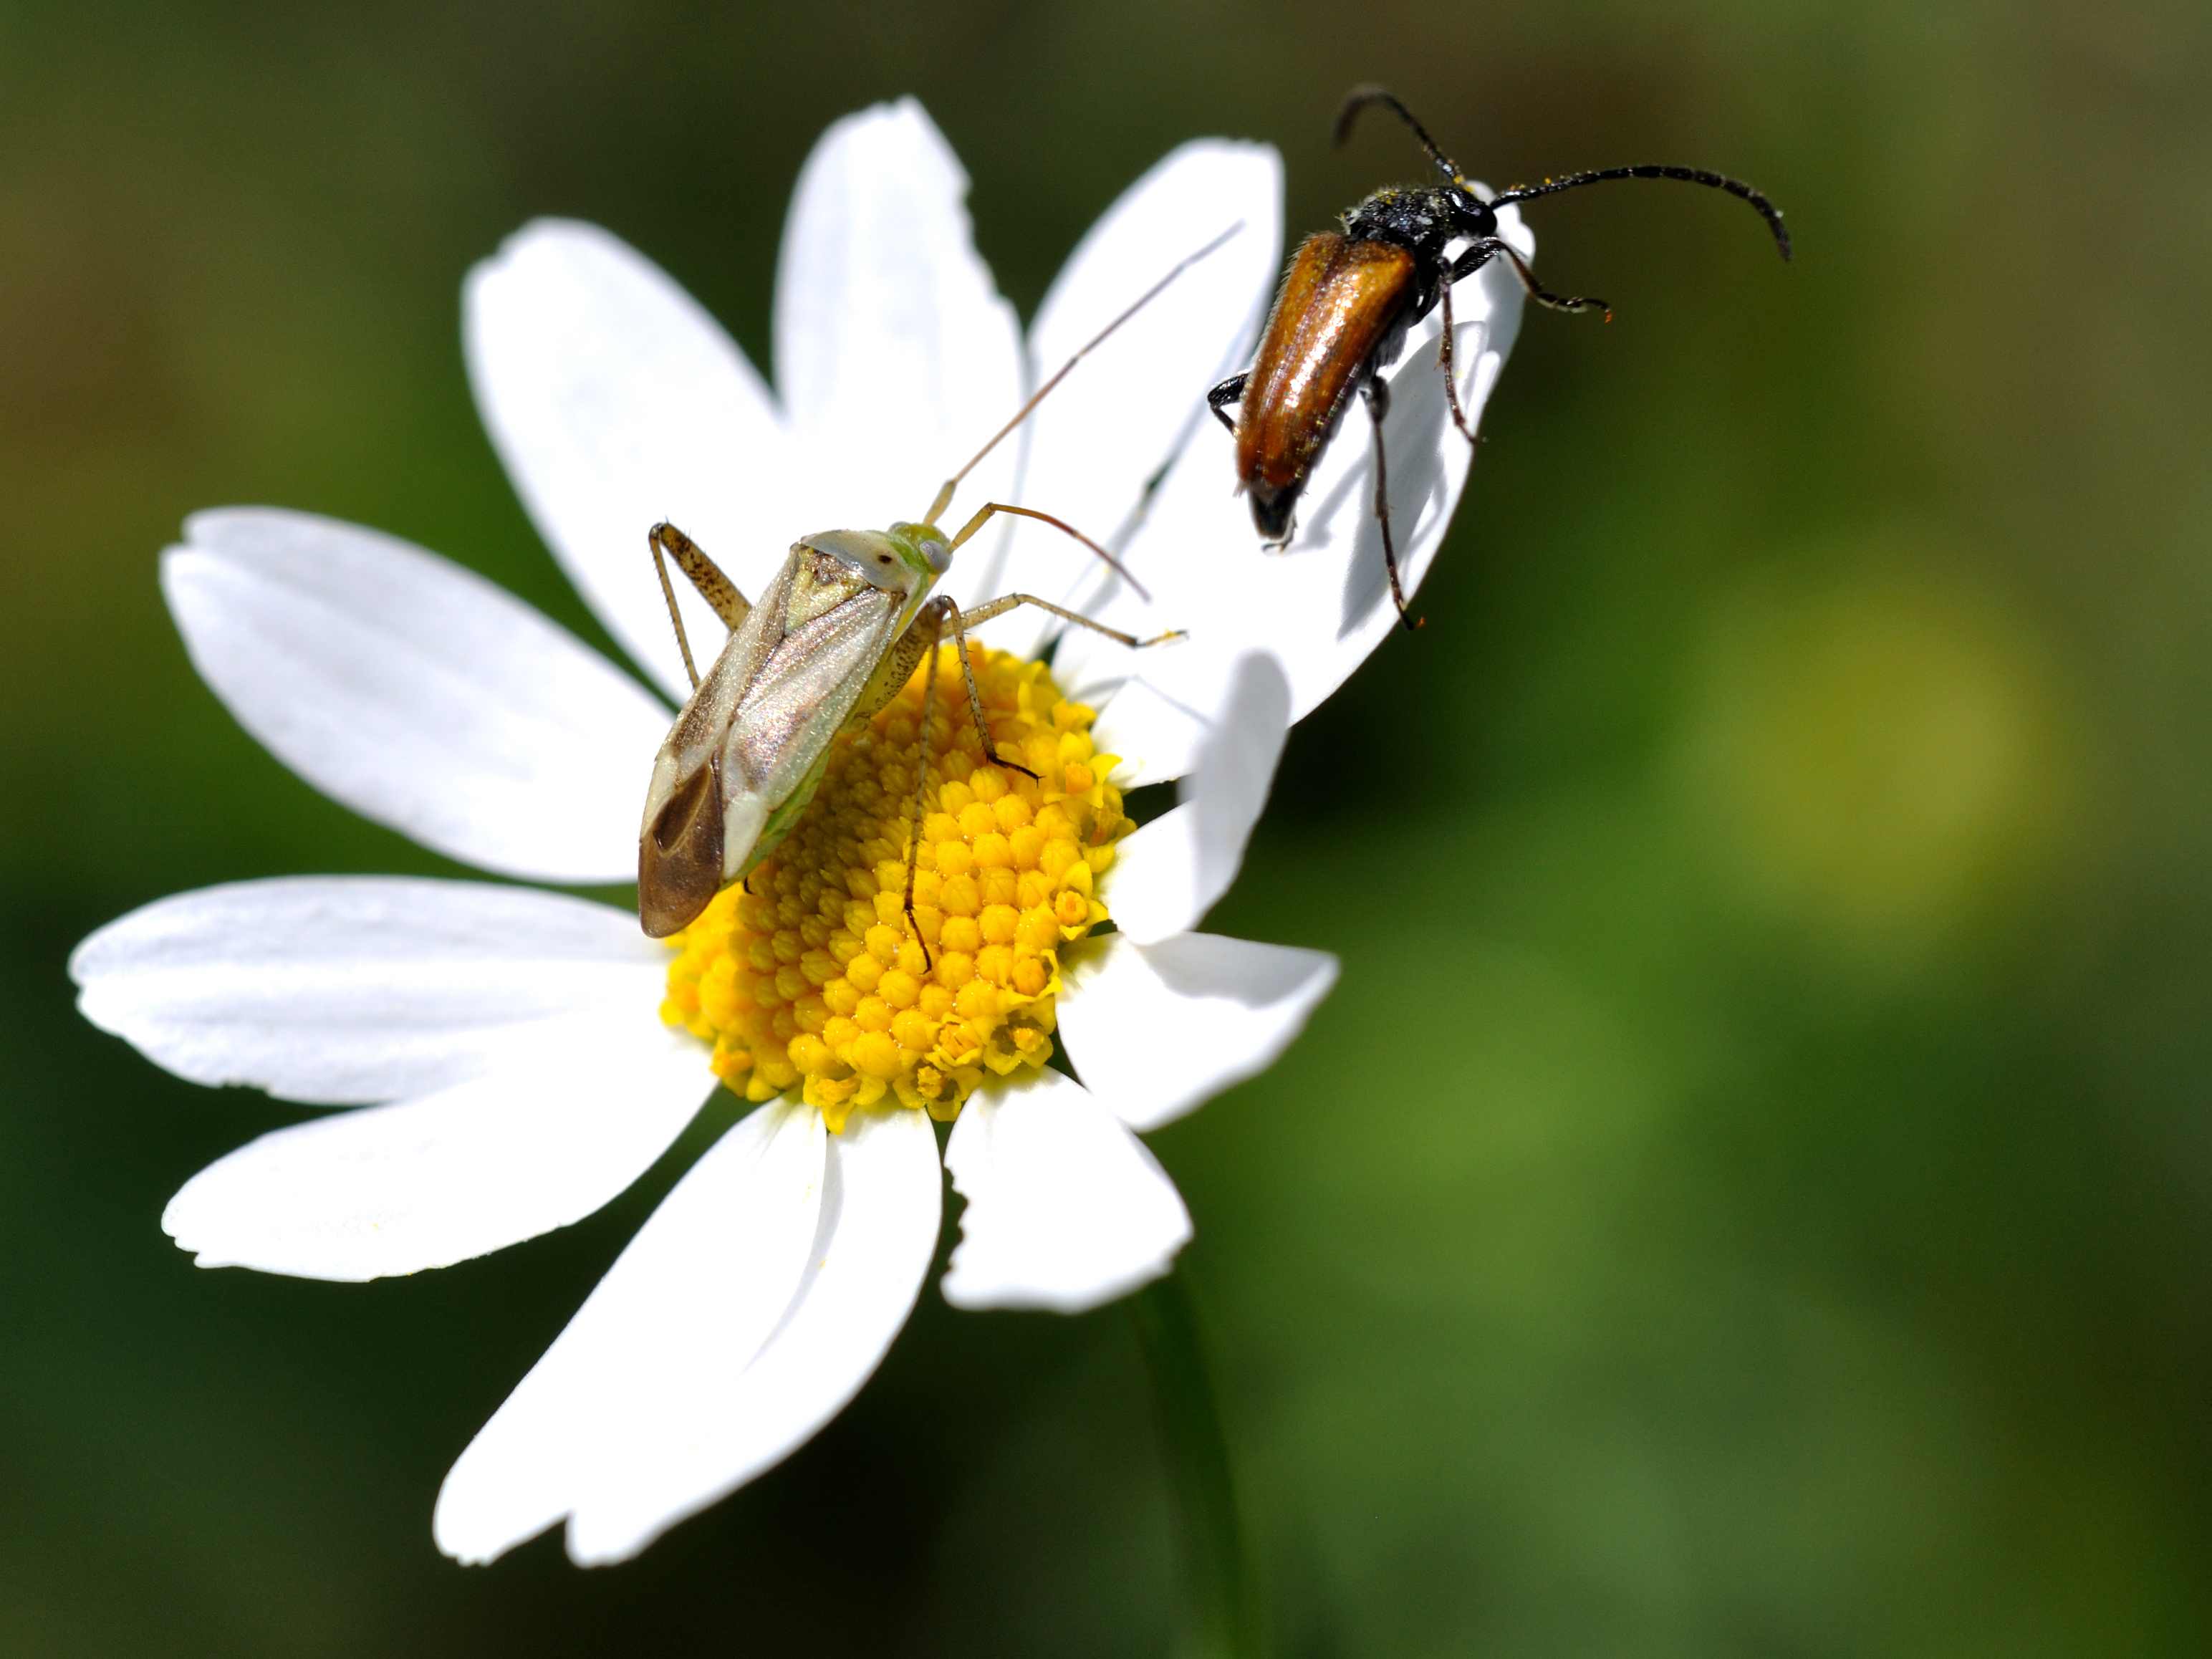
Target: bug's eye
883, 558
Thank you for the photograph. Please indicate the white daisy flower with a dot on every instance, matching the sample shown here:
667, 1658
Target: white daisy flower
515, 1058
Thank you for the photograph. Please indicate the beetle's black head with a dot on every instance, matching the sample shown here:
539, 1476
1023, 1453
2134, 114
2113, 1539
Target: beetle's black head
1421, 219
1471, 216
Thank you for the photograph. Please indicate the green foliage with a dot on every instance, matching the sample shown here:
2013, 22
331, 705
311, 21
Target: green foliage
1749, 1192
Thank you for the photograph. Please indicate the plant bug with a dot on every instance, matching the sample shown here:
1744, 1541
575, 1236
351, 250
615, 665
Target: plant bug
831, 640
1347, 300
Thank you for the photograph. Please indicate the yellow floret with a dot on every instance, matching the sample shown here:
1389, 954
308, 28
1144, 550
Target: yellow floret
813, 980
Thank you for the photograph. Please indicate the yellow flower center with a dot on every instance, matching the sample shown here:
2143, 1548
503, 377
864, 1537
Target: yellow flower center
807, 975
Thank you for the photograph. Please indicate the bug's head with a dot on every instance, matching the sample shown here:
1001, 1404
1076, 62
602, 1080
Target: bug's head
900, 560
1471, 215
1421, 219
924, 547
1455, 202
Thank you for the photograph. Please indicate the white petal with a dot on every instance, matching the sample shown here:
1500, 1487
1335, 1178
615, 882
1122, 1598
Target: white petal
1094, 445
1157, 735
416, 693
467, 1170
880, 1206
680, 1314
615, 402
337, 990
1155, 1031
1168, 874
1066, 1209
894, 356
1323, 605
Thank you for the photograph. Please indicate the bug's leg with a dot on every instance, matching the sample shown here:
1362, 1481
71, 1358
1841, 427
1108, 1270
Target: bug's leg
667, 542
1451, 374
964, 620
705, 576
1378, 405
936, 613
668, 592
975, 694
983, 613
1230, 391
1478, 254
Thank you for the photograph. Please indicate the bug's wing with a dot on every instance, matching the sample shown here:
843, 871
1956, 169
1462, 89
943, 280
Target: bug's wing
802, 692
679, 855
680, 842
704, 720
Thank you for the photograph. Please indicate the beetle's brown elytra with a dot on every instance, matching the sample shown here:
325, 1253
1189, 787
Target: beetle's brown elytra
1347, 302
1338, 300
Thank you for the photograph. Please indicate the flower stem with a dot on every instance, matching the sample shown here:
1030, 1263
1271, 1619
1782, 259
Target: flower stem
1222, 1620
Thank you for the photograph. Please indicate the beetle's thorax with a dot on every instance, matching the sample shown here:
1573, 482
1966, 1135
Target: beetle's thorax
1420, 218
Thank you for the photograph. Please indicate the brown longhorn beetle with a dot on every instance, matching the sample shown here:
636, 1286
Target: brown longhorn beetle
1345, 304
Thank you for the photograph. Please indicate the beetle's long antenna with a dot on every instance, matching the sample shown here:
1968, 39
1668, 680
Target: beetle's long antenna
1734, 187
1361, 96
944, 495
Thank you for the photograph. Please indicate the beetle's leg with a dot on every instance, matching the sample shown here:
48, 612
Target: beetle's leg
1451, 375
667, 542
983, 613
935, 614
1230, 391
1479, 253
1378, 405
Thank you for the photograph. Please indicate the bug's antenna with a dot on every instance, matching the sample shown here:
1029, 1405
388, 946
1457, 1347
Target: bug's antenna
990, 510
1734, 187
1361, 96
944, 495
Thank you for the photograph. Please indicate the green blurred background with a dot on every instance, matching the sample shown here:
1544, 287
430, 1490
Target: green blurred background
1749, 1193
